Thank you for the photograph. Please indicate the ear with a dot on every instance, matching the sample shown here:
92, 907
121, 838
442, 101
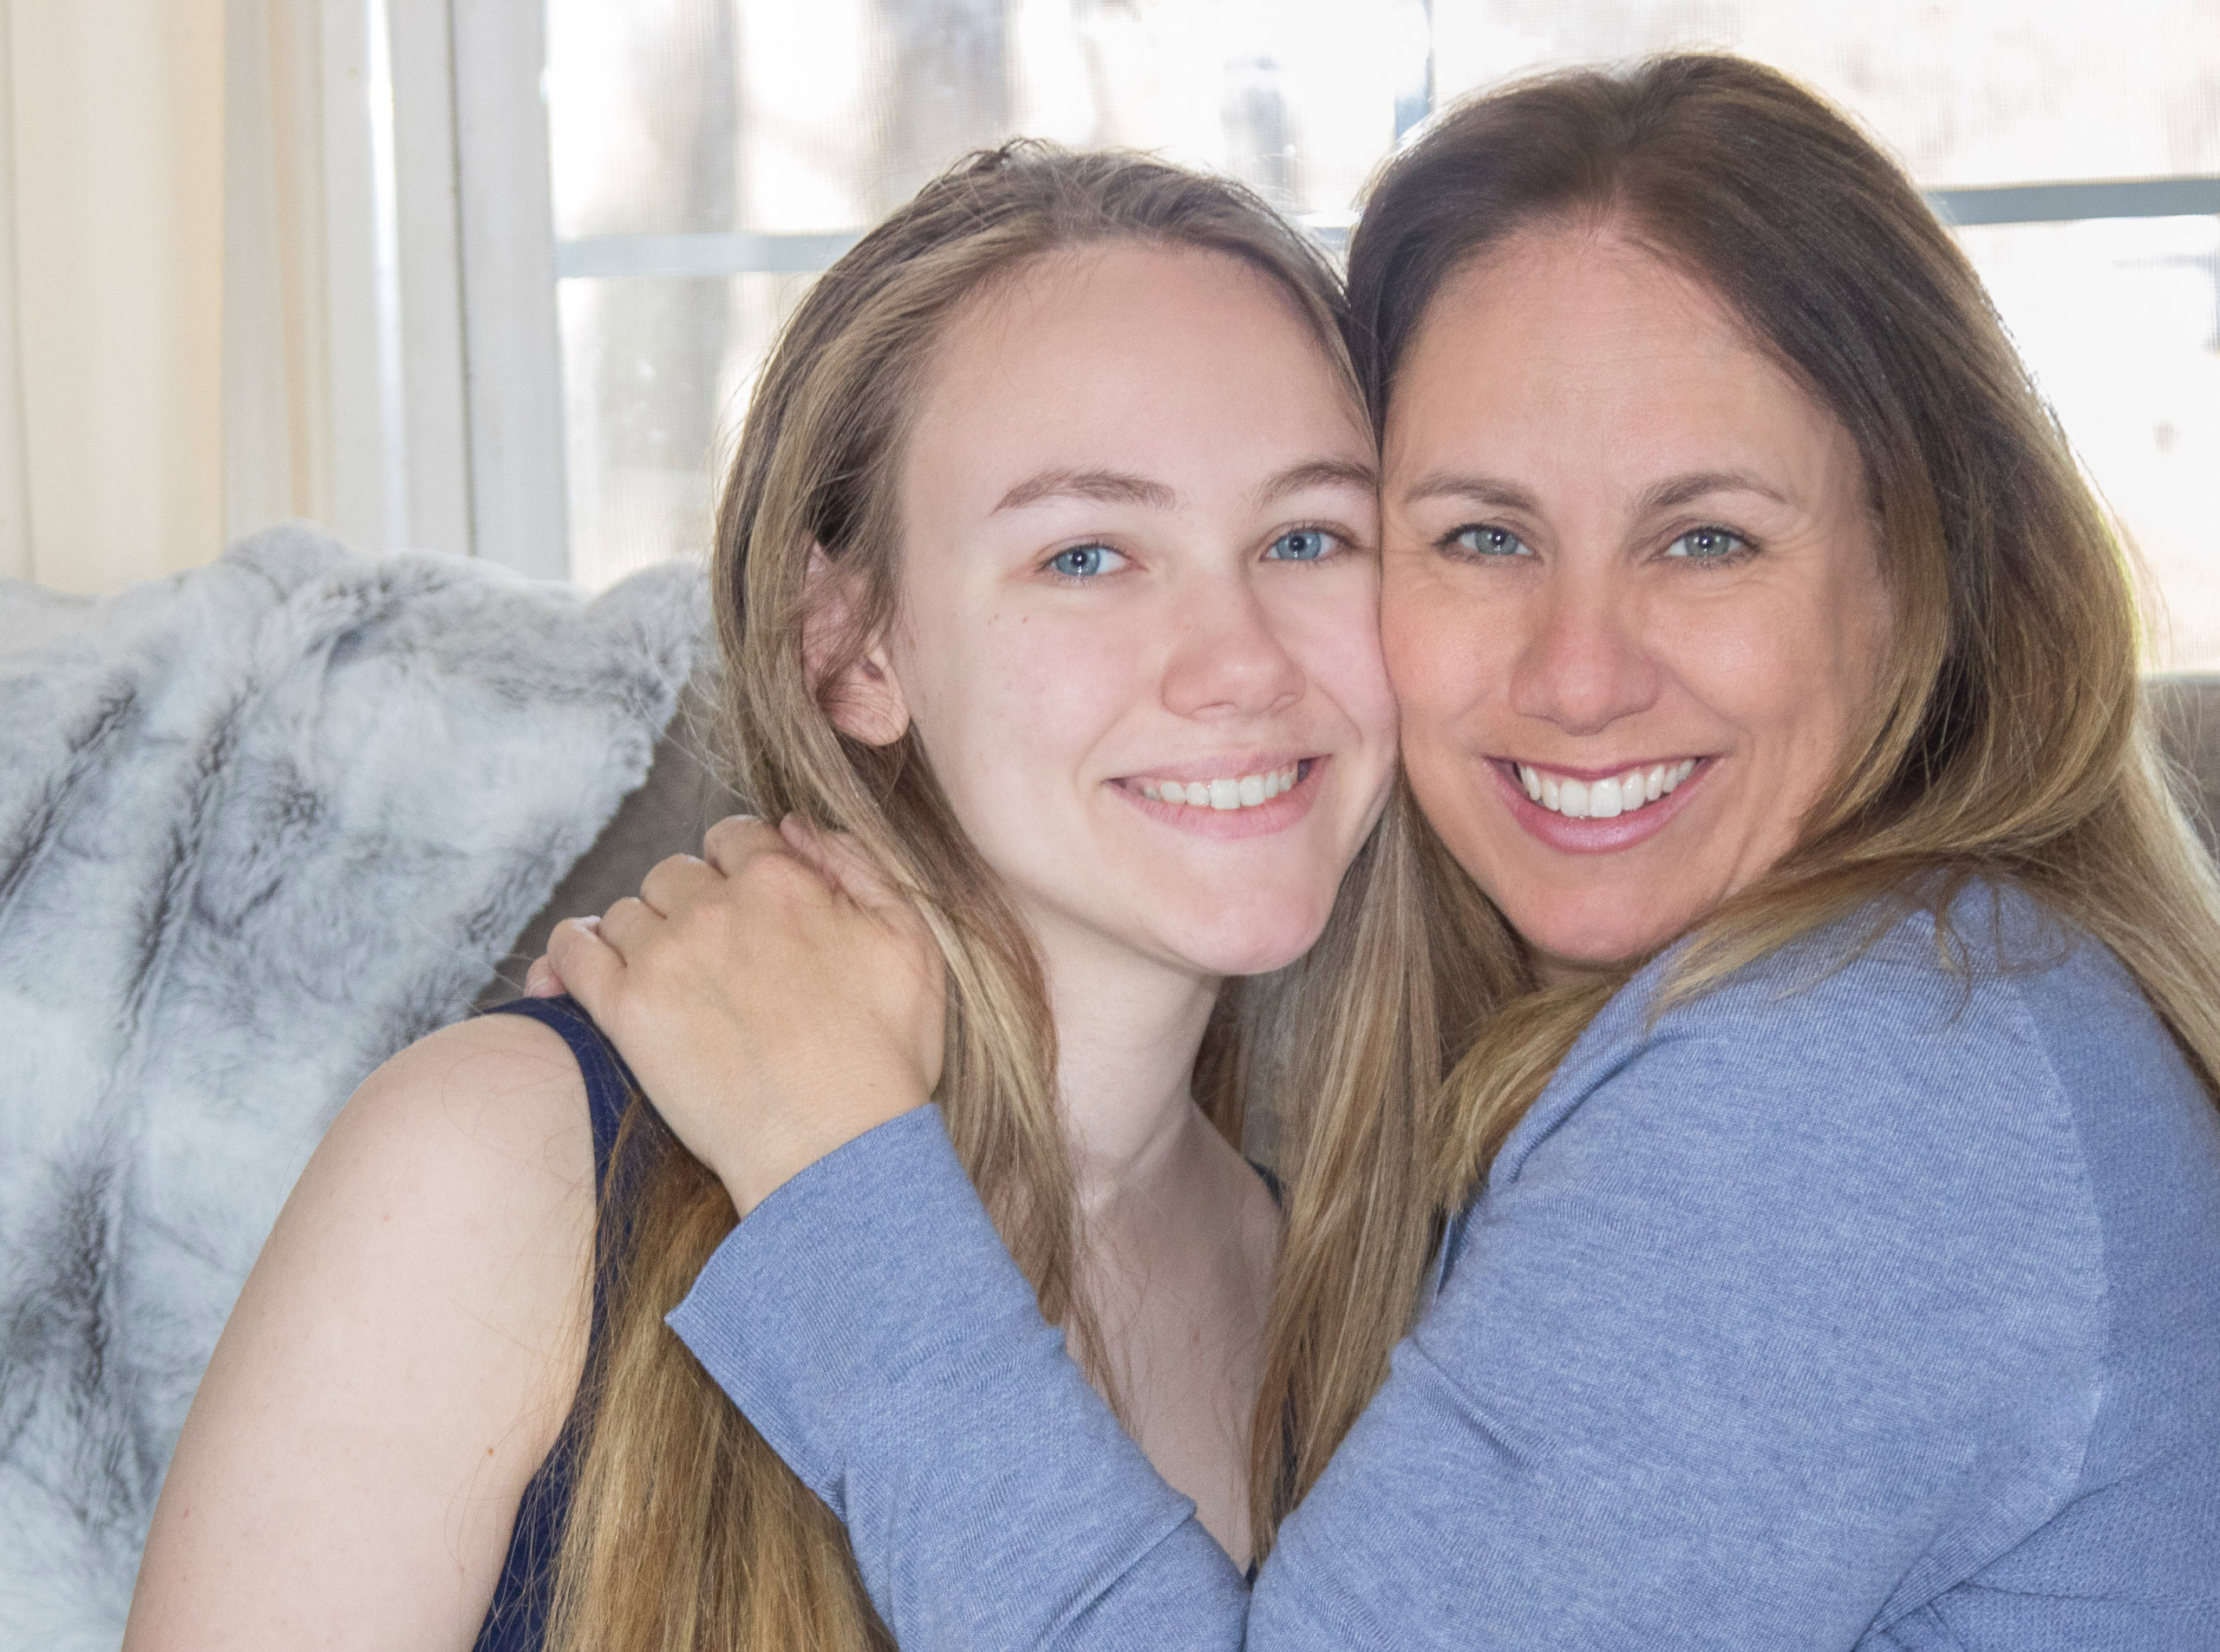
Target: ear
863, 697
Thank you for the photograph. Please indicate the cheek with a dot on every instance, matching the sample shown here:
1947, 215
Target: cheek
1014, 703
1436, 643
1438, 664
1335, 639
1793, 674
1755, 672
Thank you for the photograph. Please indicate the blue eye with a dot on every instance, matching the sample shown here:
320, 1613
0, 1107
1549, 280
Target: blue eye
1708, 544
1083, 561
1490, 542
1300, 544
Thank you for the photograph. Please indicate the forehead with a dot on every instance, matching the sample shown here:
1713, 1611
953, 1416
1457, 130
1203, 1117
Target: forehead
1578, 342
1184, 365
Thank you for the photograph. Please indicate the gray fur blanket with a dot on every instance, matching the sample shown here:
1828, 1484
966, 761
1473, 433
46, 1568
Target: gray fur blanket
261, 825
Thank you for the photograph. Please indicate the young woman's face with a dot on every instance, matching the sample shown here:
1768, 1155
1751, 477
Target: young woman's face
1632, 601
1139, 617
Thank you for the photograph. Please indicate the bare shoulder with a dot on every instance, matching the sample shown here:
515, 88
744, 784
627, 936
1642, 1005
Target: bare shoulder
397, 1367
454, 1196
495, 1105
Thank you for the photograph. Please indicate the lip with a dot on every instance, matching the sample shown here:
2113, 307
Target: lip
1594, 837
1225, 825
1223, 765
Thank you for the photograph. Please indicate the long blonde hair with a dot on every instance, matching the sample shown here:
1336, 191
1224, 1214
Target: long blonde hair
685, 1530
2009, 738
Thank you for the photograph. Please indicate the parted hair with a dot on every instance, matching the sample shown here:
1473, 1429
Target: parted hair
685, 1530
2009, 738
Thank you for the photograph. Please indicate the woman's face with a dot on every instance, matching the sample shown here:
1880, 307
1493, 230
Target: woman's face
1139, 597
1632, 599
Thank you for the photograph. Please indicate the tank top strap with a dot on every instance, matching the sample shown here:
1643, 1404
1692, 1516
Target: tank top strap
610, 1083
1272, 1185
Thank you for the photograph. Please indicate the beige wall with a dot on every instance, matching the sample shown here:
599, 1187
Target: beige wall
114, 468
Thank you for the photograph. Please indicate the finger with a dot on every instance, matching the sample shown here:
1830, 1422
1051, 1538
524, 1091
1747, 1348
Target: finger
542, 980
737, 839
589, 968
673, 884
836, 857
624, 927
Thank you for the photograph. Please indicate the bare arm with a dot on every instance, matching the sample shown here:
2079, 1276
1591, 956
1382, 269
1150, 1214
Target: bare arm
395, 1369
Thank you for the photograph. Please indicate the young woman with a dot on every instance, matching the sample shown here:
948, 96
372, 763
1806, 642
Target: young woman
1834, 1224
1046, 571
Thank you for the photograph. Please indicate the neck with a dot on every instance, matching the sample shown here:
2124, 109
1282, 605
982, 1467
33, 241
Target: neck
1550, 970
1127, 1031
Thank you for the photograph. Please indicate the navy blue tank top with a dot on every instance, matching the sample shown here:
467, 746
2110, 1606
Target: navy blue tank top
517, 1619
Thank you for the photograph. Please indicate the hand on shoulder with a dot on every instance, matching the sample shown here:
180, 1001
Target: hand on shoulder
776, 998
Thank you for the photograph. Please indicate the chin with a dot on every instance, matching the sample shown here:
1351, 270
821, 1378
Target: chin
1595, 935
1254, 942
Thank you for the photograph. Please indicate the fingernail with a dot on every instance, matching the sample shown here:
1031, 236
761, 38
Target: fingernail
545, 987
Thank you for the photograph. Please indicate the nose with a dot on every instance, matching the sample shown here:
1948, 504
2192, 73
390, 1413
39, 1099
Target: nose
1228, 658
1584, 664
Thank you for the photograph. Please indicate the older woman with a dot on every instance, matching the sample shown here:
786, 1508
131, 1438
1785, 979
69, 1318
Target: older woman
1832, 1195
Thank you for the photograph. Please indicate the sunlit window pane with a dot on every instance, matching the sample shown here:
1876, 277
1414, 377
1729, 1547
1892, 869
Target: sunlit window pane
2120, 321
655, 371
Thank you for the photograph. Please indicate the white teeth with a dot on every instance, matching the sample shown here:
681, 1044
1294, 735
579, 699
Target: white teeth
1603, 799
1245, 792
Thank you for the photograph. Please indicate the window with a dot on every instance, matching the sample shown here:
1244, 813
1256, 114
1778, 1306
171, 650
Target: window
708, 156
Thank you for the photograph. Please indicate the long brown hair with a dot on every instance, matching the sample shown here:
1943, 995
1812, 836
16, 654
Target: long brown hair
2009, 738
685, 1529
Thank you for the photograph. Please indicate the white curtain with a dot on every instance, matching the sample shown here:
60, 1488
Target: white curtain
113, 315
278, 437
165, 374
16, 561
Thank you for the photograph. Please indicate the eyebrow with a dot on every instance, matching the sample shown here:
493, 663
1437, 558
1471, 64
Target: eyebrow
1658, 496
1682, 490
1123, 487
1104, 486
1479, 490
1319, 472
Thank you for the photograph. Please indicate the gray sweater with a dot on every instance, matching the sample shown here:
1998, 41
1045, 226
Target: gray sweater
1875, 1309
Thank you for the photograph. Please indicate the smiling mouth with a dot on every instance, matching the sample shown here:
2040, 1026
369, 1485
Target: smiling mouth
1605, 798
1230, 792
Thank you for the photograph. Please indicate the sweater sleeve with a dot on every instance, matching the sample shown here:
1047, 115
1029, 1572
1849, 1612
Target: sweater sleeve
1748, 1343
